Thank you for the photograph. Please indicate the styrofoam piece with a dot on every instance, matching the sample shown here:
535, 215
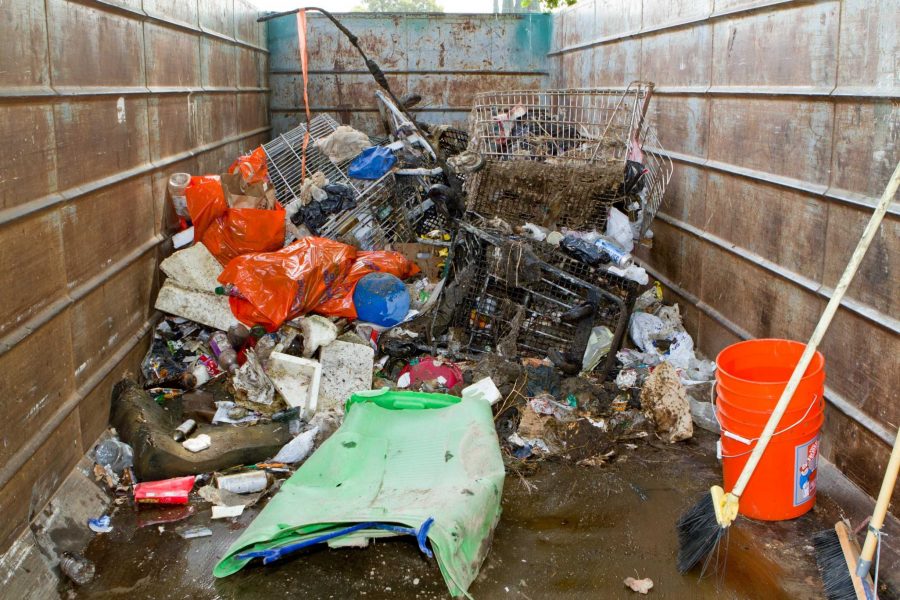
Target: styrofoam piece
485, 389
200, 307
193, 268
317, 332
346, 369
297, 380
183, 238
198, 443
225, 512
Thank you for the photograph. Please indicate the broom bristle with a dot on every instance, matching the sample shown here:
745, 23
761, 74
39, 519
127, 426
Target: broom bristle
699, 533
833, 567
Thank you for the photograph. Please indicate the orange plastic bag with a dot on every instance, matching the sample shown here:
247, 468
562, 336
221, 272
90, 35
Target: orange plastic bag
311, 275
229, 232
339, 303
252, 166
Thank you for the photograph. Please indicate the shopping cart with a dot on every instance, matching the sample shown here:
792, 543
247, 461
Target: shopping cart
503, 298
561, 158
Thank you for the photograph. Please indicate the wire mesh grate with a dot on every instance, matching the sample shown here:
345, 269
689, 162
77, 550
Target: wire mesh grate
285, 159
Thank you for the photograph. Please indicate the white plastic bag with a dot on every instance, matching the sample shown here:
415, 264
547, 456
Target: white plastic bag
298, 448
618, 228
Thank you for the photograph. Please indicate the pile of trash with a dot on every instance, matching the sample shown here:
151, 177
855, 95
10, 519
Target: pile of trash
332, 301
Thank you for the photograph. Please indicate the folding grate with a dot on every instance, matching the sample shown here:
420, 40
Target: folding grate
507, 296
285, 159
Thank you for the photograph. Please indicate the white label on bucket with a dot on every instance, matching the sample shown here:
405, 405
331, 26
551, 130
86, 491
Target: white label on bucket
806, 460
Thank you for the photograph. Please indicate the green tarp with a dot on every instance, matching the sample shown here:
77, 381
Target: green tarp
398, 458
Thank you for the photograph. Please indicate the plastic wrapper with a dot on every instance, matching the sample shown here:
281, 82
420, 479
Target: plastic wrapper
229, 232
167, 491
311, 275
373, 163
252, 167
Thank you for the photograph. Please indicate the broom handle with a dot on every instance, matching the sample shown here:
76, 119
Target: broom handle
881, 507
824, 321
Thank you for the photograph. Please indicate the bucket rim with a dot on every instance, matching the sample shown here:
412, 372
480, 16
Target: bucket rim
818, 355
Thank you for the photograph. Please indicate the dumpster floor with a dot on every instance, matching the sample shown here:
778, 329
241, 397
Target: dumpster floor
568, 532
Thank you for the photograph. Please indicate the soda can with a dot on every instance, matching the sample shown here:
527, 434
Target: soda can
618, 255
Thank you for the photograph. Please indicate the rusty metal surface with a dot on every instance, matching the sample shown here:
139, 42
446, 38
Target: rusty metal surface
784, 119
99, 102
445, 58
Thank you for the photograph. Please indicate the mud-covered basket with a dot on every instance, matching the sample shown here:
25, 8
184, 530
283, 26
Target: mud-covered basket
560, 158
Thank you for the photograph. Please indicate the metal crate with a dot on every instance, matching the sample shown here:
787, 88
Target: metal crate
557, 158
506, 297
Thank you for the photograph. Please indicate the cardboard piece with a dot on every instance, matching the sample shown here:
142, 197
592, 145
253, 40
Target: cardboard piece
194, 268
238, 194
426, 256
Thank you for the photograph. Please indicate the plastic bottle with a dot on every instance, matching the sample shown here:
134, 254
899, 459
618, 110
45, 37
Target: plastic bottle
224, 353
115, 454
77, 568
238, 335
229, 289
178, 182
265, 346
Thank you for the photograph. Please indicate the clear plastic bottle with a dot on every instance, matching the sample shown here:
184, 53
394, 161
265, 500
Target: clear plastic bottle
77, 568
115, 454
178, 182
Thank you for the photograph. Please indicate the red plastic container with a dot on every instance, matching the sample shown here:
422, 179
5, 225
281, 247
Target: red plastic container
750, 377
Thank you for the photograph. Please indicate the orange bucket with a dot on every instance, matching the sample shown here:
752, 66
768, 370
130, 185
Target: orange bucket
750, 377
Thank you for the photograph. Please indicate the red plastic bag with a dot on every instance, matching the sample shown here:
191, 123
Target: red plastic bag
167, 491
311, 275
230, 232
252, 166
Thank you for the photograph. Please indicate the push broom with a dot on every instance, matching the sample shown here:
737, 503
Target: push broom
844, 570
701, 528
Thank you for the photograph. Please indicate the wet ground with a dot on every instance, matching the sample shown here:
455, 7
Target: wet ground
566, 532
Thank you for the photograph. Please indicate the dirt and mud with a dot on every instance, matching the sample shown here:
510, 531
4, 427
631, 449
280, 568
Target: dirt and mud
567, 531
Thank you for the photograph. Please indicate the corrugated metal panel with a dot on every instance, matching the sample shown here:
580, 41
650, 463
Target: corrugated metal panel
99, 102
784, 119
445, 58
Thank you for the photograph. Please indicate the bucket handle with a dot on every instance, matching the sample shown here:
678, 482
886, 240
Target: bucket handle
750, 441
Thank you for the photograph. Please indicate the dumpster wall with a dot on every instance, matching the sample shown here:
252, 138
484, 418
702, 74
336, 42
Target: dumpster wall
784, 122
99, 102
446, 58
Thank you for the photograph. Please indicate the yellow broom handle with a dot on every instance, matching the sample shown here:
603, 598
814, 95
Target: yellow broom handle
881, 506
824, 321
